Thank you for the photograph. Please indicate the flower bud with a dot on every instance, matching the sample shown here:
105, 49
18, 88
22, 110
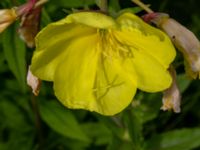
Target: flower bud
172, 96
7, 17
184, 40
33, 82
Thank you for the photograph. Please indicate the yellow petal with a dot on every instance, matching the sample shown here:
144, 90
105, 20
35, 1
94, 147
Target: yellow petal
113, 90
142, 36
151, 75
125, 67
93, 19
85, 80
75, 75
51, 47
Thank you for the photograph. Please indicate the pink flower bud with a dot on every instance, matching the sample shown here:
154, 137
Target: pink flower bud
7, 17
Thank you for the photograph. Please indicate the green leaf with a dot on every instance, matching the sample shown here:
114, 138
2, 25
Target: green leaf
134, 127
183, 82
20, 141
143, 107
61, 120
102, 135
114, 127
15, 51
3, 66
12, 115
118, 144
45, 18
16, 131
183, 139
114, 5
74, 144
114, 144
133, 10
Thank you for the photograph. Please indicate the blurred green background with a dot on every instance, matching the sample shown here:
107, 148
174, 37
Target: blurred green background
32, 123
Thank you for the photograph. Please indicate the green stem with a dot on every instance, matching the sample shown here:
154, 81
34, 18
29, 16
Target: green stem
142, 5
103, 4
38, 125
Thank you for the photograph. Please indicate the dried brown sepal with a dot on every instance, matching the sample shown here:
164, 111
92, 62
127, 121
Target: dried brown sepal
33, 82
7, 17
30, 18
184, 40
29, 26
172, 97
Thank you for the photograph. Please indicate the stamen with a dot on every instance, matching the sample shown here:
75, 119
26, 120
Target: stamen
110, 46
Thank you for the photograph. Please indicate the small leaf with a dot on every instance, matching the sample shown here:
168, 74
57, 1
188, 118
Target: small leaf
15, 51
16, 131
184, 139
118, 144
20, 141
102, 136
144, 108
115, 128
183, 82
133, 10
12, 115
134, 126
61, 120
114, 5
45, 18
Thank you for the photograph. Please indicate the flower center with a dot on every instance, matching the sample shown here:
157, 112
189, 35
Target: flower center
111, 47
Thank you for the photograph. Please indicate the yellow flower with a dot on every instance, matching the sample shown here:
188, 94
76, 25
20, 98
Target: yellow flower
7, 17
97, 62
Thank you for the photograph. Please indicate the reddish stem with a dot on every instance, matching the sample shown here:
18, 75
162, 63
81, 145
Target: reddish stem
26, 8
148, 17
33, 1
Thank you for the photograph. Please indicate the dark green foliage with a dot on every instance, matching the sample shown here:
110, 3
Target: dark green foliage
14, 51
61, 120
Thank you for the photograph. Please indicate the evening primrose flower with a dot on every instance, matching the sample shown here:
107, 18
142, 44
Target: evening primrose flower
97, 62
